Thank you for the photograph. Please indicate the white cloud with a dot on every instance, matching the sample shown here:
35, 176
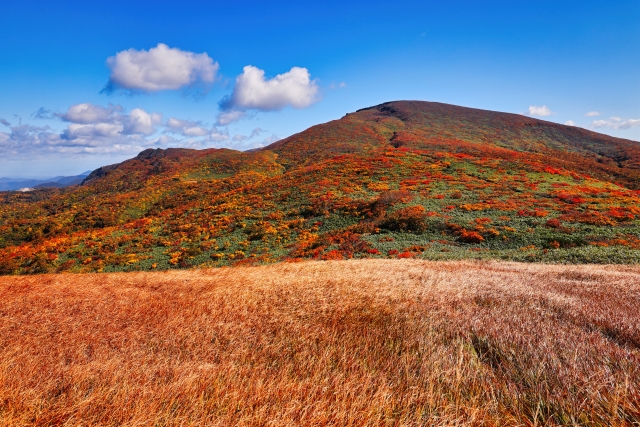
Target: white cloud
189, 128
99, 130
159, 68
93, 129
228, 117
616, 123
541, 111
27, 142
592, 114
165, 140
569, 123
89, 120
253, 91
89, 113
216, 137
334, 86
185, 127
77, 131
140, 122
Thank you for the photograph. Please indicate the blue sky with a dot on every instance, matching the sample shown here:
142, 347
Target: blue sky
556, 60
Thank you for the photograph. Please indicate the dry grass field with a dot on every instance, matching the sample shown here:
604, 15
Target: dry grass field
343, 343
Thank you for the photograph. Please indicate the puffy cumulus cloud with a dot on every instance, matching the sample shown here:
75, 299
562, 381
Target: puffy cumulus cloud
570, 123
89, 121
159, 68
592, 114
228, 117
89, 113
616, 123
253, 91
540, 111
140, 122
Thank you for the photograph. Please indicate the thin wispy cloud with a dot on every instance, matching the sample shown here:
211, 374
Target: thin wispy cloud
228, 117
616, 123
43, 114
256, 132
185, 127
188, 128
592, 114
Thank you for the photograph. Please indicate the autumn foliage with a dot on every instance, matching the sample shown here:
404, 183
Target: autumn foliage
379, 180
348, 343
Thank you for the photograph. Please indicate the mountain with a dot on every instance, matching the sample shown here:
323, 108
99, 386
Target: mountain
401, 179
13, 184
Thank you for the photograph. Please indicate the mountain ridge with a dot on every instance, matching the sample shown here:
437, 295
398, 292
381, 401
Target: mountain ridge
400, 179
385, 107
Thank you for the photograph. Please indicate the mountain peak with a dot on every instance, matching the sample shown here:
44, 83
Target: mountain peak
399, 179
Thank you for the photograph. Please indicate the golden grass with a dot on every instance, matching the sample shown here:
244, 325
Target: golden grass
344, 343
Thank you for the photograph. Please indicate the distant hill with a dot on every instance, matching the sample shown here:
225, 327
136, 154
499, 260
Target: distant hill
13, 184
400, 179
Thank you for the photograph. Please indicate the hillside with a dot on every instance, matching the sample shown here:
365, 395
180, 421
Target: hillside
401, 179
341, 343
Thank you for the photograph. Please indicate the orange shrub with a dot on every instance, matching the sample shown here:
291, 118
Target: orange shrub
471, 236
411, 219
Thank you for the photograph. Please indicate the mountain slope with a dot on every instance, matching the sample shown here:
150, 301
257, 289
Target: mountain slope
401, 179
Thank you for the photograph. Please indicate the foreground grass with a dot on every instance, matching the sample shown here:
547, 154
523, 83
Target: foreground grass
345, 343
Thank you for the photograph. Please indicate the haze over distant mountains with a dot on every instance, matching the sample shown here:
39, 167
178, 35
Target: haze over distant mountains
12, 184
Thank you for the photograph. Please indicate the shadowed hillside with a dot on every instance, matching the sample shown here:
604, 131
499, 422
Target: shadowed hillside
404, 179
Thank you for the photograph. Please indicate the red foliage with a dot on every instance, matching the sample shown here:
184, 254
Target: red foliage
410, 219
553, 223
